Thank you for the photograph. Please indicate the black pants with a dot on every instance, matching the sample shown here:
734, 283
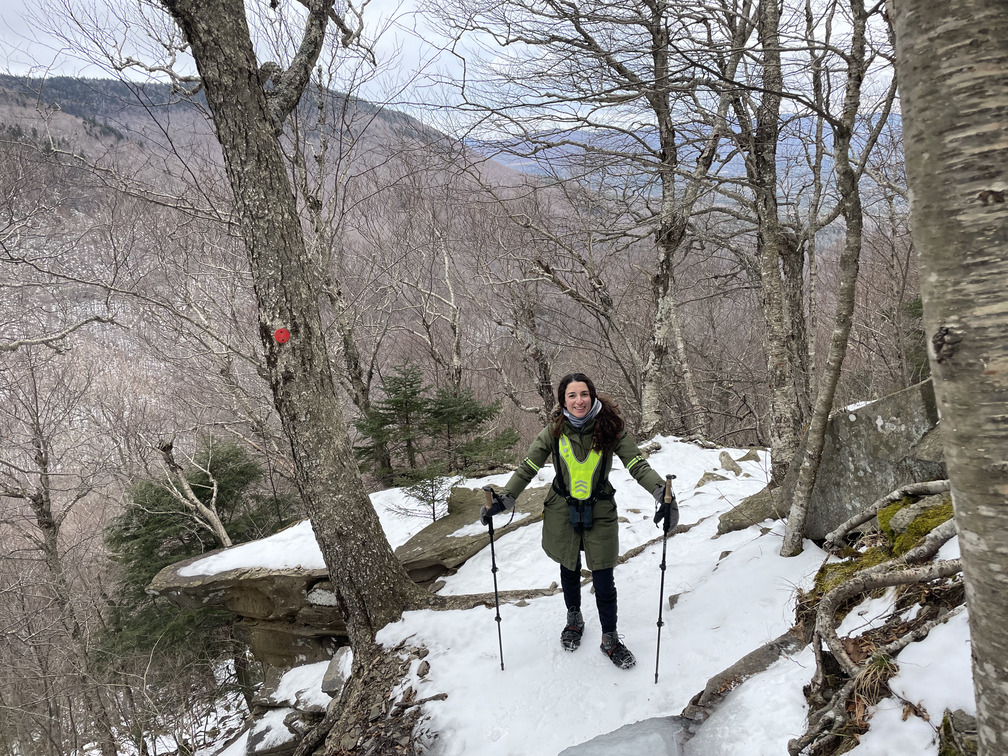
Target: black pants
605, 593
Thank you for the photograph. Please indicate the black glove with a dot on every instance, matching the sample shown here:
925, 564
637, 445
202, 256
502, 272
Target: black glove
499, 502
667, 511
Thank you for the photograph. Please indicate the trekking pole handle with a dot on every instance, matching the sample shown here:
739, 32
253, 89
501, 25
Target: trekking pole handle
488, 492
668, 488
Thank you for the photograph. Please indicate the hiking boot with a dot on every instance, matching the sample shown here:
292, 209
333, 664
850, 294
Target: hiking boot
570, 638
618, 653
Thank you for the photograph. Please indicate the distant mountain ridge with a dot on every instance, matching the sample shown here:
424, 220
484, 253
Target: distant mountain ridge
129, 106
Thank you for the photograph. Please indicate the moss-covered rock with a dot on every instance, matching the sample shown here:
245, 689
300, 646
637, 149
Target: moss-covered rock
921, 527
886, 514
957, 736
832, 574
753, 510
908, 521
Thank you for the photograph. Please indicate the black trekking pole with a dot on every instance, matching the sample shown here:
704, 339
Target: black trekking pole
493, 569
661, 590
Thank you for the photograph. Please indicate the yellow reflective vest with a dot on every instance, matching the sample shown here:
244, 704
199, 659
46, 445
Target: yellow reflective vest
583, 473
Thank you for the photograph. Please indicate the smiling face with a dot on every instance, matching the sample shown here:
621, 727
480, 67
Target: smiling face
577, 398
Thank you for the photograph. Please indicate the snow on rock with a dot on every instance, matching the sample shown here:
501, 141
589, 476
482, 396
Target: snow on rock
301, 687
760, 716
660, 735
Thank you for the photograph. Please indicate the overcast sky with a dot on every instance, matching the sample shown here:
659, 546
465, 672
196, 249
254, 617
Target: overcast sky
20, 49
26, 46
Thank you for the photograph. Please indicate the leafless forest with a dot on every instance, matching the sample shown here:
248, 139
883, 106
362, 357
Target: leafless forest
706, 211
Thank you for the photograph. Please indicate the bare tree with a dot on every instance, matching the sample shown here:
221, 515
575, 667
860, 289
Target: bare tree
849, 206
46, 484
952, 60
372, 586
36, 188
619, 100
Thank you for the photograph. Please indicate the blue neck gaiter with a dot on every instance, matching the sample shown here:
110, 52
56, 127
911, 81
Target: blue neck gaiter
580, 422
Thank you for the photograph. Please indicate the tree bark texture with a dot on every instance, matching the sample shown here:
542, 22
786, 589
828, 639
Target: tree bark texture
669, 235
372, 586
952, 62
772, 241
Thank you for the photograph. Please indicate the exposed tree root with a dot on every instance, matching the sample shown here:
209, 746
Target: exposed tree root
864, 582
842, 711
914, 490
374, 715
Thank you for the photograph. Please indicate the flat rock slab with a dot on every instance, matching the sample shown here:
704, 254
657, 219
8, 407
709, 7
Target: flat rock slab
448, 542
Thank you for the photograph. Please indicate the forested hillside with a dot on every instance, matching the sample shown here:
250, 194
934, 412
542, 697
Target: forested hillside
216, 293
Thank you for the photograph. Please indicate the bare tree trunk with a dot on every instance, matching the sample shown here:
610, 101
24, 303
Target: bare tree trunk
952, 60
371, 584
772, 244
204, 515
671, 232
49, 523
666, 330
850, 207
537, 359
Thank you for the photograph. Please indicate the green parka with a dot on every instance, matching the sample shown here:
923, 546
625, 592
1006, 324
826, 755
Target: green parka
560, 540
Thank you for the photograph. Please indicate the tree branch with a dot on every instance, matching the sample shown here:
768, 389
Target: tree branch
913, 490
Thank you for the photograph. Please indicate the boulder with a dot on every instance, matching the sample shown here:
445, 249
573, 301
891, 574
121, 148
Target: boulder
448, 542
870, 451
901, 521
286, 707
709, 477
752, 511
729, 464
287, 616
274, 733
338, 672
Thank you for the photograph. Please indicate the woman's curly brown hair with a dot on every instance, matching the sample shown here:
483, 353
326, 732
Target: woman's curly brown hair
608, 423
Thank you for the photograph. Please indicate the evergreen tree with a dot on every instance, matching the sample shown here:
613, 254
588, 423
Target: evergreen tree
432, 438
395, 423
455, 421
155, 531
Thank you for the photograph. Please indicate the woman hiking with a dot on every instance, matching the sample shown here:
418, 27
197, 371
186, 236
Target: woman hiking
579, 514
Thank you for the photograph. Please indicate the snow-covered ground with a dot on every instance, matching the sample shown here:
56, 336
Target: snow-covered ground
735, 593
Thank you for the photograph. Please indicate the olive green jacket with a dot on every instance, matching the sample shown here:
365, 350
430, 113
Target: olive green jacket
560, 540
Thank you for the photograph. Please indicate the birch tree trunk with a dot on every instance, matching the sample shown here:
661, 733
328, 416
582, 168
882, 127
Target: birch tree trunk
952, 61
372, 587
